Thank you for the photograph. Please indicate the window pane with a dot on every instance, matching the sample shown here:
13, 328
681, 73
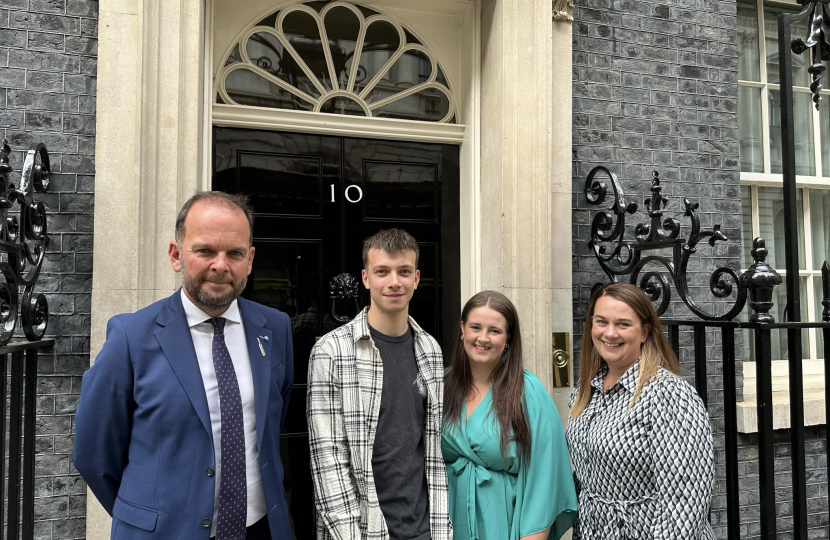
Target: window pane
779, 337
342, 105
342, 29
800, 61
428, 104
820, 225
805, 162
748, 53
248, 88
771, 223
381, 42
746, 225
819, 295
302, 32
749, 128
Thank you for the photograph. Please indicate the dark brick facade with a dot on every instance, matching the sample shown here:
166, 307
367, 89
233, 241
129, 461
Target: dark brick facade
655, 87
817, 504
48, 62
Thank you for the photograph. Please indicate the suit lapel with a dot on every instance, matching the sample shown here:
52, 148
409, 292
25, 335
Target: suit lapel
261, 361
174, 338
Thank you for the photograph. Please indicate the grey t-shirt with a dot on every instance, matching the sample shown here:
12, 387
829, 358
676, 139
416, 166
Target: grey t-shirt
398, 452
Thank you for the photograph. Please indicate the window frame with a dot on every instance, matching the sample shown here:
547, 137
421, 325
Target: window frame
754, 180
765, 87
807, 184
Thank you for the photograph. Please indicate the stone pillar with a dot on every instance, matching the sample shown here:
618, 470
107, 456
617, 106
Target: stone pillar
148, 157
526, 168
561, 184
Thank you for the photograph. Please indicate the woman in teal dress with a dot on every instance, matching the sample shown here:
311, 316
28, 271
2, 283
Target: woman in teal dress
508, 470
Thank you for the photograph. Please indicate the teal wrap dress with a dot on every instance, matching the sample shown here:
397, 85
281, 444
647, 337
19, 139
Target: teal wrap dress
492, 498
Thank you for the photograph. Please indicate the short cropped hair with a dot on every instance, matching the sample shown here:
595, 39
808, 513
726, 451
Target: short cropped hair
218, 198
393, 242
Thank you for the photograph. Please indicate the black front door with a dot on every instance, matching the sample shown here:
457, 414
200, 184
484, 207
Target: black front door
316, 199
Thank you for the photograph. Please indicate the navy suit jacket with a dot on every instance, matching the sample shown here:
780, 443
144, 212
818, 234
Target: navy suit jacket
143, 439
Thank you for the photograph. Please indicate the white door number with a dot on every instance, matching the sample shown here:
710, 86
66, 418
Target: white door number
349, 193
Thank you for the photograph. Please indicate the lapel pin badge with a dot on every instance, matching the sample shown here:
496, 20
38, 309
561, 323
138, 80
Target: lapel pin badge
261, 348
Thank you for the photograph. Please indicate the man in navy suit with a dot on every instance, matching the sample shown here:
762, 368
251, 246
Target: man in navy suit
177, 429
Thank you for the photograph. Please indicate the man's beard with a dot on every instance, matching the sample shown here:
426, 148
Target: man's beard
202, 298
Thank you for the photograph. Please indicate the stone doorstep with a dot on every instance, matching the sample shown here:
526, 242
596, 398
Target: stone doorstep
815, 413
782, 383
813, 371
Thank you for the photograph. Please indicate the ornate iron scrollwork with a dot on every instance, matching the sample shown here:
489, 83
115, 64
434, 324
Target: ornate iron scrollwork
815, 42
24, 240
620, 257
343, 287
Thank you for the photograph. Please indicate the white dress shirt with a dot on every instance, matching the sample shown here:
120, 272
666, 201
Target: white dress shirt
202, 333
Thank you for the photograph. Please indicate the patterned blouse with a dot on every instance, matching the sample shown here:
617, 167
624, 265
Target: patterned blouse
644, 473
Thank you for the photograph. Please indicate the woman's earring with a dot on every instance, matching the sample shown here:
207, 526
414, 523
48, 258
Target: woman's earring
506, 347
462, 337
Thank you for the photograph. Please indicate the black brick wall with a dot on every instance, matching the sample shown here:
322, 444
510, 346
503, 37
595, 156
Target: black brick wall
48, 62
655, 87
817, 503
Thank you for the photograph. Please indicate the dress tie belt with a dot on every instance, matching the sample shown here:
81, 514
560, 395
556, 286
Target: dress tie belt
477, 475
620, 508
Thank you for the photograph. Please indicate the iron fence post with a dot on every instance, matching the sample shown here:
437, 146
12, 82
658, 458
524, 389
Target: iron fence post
794, 345
730, 420
15, 444
825, 317
761, 279
21, 266
701, 381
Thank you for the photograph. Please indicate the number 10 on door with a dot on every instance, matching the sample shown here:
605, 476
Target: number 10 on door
349, 193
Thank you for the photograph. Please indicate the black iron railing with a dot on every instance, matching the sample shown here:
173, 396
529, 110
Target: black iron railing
18, 466
641, 260
761, 330
23, 242
816, 44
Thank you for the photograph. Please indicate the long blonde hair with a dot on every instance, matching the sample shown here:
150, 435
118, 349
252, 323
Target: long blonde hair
654, 353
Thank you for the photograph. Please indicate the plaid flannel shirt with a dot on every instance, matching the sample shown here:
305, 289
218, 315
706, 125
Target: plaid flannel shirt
345, 381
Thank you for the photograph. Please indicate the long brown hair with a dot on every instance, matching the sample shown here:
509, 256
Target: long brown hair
655, 352
507, 380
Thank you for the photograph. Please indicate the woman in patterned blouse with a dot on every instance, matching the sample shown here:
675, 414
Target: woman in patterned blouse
638, 434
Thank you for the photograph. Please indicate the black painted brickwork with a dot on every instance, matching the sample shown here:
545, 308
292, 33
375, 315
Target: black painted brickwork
817, 503
655, 87
48, 62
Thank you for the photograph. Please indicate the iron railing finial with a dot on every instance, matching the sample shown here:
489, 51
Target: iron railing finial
760, 279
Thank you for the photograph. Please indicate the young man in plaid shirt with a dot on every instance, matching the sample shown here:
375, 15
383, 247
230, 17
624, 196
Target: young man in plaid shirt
374, 407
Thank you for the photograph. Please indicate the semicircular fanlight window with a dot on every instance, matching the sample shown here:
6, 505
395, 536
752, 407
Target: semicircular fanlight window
336, 58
